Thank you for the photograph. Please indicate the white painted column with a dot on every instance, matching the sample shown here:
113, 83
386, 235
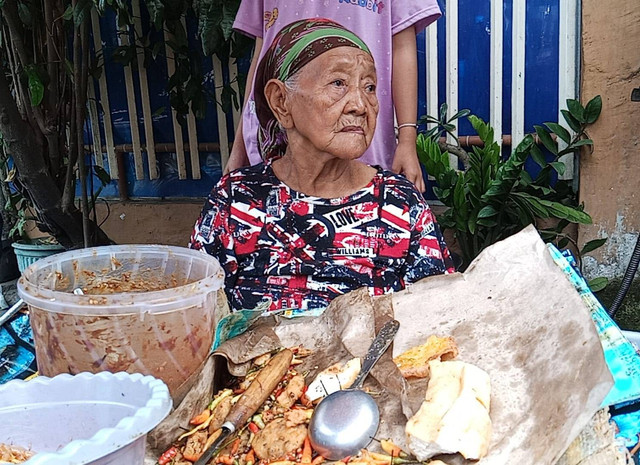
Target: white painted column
130, 92
568, 70
104, 100
147, 118
451, 15
497, 50
431, 48
177, 129
517, 73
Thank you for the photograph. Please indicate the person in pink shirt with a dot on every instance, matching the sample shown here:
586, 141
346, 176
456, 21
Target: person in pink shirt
389, 28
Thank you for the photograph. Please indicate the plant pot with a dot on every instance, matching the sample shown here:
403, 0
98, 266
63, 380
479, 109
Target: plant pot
30, 252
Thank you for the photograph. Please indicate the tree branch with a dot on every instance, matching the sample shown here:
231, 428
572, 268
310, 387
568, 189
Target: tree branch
52, 91
458, 151
10, 14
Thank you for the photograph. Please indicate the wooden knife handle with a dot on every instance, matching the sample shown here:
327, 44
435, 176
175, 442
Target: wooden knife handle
260, 389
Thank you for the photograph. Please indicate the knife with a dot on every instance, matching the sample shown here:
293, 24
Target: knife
258, 391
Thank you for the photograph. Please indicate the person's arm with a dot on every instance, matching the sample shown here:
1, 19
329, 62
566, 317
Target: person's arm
404, 86
238, 156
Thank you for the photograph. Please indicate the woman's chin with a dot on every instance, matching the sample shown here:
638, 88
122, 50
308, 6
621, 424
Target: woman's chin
351, 152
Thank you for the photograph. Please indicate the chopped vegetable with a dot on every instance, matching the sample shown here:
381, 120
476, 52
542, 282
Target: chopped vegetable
168, 456
257, 419
250, 458
253, 428
391, 449
235, 446
306, 451
201, 418
224, 393
318, 460
224, 459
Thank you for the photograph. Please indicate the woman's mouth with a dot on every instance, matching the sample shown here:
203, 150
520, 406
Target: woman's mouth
353, 129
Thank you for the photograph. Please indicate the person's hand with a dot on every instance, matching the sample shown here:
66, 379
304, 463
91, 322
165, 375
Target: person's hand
406, 162
237, 158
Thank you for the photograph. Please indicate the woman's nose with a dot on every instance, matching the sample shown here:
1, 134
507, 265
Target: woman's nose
357, 101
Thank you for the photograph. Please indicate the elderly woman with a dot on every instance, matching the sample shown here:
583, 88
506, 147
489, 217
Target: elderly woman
312, 222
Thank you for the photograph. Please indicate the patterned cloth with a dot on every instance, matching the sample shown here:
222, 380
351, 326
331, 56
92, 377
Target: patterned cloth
17, 351
295, 46
301, 251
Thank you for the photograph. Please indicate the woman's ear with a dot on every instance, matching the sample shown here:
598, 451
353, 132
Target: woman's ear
277, 98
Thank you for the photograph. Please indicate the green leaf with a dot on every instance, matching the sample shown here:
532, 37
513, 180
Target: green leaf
156, 12
227, 98
68, 13
81, 11
159, 111
443, 111
36, 87
525, 178
487, 222
538, 157
102, 175
533, 204
460, 114
598, 284
573, 123
558, 166
559, 131
582, 142
592, 245
546, 139
568, 213
487, 212
229, 11
547, 234
593, 109
24, 13
576, 110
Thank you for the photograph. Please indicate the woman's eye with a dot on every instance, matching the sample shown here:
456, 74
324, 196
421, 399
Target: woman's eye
338, 83
371, 88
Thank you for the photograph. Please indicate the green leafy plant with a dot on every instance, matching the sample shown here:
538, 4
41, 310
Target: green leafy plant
186, 88
45, 54
495, 197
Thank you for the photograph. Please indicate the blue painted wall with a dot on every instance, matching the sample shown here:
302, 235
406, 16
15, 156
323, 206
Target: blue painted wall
541, 86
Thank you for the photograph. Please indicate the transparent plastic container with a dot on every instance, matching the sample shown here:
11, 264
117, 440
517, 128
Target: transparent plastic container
147, 309
92, 419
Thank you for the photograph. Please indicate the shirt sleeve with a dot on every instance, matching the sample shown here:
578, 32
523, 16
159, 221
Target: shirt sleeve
418, 13
212, 233
250, 18
428, 253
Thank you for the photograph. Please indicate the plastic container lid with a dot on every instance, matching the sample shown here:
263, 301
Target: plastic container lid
189, 275
80, 419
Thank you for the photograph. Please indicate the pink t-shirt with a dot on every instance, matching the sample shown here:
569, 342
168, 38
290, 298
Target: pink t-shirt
374, 21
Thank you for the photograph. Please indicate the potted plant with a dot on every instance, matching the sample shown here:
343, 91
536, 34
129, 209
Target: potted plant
494, 196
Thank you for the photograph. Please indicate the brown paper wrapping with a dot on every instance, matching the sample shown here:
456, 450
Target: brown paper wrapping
513, 313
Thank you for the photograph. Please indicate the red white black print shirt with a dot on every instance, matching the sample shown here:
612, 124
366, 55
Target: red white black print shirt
302, 251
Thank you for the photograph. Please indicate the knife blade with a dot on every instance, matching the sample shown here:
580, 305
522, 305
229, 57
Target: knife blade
258, 391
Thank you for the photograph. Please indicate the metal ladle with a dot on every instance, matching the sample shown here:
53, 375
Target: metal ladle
346, 421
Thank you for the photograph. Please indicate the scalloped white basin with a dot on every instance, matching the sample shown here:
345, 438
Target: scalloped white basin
96, 419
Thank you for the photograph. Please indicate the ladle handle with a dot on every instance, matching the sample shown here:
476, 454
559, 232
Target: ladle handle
378, 347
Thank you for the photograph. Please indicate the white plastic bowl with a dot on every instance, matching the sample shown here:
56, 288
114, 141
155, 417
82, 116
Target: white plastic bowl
95, 419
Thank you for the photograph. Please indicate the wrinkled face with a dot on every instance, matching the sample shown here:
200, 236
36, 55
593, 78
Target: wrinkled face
334, 104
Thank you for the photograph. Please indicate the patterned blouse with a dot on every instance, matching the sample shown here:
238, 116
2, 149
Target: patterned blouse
301, 251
